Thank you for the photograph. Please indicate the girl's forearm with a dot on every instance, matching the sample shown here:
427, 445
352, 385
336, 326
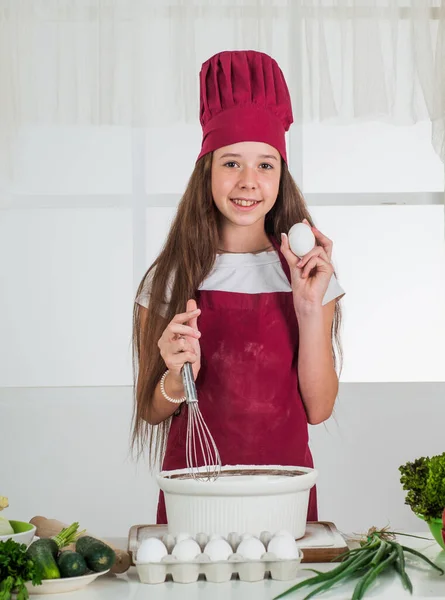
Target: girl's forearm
160, 408
318, 379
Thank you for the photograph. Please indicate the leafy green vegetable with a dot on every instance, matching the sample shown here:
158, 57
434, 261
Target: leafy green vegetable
16, 568
424, 480
68, 535
443, 525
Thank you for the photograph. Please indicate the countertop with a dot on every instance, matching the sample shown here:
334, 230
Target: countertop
427, 583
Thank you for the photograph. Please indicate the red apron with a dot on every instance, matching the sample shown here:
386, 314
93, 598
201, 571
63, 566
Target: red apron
248, 384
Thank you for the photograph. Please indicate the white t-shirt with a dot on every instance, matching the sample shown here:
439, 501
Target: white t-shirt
260, 273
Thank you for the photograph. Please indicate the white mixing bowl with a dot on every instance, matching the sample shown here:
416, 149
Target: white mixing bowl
244, 498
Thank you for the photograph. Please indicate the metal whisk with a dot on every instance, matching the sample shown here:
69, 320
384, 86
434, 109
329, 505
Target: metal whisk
198, 435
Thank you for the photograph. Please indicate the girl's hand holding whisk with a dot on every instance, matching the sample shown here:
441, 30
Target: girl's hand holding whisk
310, 274
179, 342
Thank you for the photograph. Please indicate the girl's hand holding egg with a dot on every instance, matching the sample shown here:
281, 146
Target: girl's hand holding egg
311, 272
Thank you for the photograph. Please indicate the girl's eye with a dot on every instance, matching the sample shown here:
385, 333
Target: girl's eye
265, 166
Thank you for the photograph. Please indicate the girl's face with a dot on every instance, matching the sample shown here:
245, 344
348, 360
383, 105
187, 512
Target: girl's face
245, 181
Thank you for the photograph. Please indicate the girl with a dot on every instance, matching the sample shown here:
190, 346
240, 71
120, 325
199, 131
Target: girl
227, 294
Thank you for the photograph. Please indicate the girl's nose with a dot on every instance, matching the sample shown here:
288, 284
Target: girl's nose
247, 179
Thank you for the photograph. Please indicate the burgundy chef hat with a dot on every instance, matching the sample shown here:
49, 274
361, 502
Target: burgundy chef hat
243, 98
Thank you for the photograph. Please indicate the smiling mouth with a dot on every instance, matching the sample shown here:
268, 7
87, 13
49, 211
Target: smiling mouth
243, 202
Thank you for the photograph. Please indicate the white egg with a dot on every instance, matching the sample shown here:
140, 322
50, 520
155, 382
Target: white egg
246, 536
284, 532
283, 547
186, 550
251, 548
301, 239
216, 536
183, 536
151, 550
218, 549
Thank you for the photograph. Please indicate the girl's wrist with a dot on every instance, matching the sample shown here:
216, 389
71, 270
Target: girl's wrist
173, 385
309, 312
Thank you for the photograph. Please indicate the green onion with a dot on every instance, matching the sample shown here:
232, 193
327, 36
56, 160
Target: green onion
420, 555
399, 566
369, 577
376, 554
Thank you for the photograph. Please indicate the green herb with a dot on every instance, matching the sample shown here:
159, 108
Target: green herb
424, 480
16, 568
376, 554
68, 535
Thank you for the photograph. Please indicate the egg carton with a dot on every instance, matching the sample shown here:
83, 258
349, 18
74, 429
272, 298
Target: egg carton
249, 570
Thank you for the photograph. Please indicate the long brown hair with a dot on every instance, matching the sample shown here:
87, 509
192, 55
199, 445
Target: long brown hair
189, 254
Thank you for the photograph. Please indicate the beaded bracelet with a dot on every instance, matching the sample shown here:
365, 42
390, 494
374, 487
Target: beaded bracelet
174, 400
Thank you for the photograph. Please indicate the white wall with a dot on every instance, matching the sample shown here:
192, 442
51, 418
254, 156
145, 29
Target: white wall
391, 262
74, 241
65, 455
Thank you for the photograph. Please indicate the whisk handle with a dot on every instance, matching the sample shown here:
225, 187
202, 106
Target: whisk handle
189, 383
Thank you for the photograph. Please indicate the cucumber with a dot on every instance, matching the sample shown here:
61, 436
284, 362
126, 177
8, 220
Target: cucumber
71, 564
51, 545
98, 555
41, 554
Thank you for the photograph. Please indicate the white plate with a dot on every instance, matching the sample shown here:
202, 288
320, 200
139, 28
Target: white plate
64, 584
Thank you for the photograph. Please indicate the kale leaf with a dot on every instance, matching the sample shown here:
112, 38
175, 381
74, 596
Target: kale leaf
424, 480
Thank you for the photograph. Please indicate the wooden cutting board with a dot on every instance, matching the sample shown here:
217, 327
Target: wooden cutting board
321, 543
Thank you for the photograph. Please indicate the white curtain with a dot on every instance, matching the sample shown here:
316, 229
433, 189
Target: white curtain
136, 62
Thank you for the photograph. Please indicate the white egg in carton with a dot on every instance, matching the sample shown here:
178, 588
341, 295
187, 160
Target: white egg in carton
185, 558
